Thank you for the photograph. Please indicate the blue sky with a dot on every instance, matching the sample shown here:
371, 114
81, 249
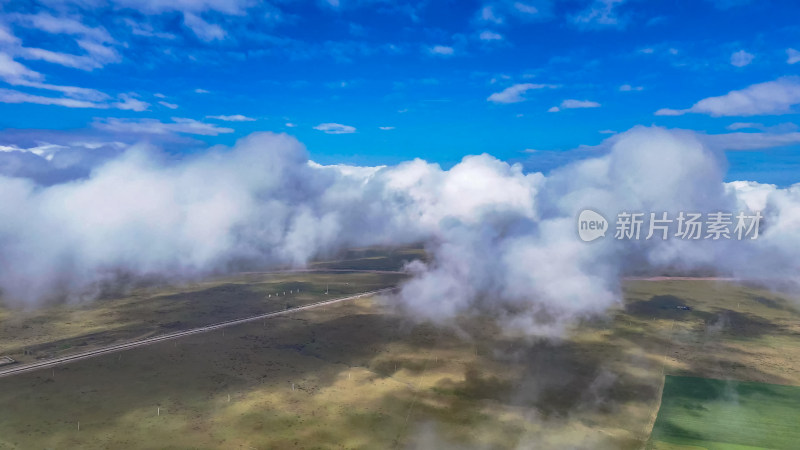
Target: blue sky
377, 82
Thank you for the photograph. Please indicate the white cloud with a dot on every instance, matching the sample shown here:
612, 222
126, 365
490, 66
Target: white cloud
12, 96
553, 109
629, 88
230, 7
769, 98
154, 126
525, 8
100, 53
232, 118
7, 37
487, 14
574, 104
131, 103
168, 105
749, 140
205, 31
63, 59
147, 30
600, 14
98, 56
16, 74
490, 36
516, 93
741, 58
200, 91
46, 151
386, 128
499, 239
497, 11
13, 72
97, 43
62, 25
670, 112
792, 56
744, 125
290, 125
70, 91
441, 50
335, 128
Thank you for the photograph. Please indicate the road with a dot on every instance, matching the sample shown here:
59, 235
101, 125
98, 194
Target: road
23, 368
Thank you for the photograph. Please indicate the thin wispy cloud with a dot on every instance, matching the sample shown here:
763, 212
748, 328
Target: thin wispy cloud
147, 30
17, 74
741, 58
505, 12
792, 56
488, 14
96, 43
490, 36
196, 15
49, 23
155, 126
600, 14
441, 50
232, 118
130, 102
75, 98
629, 88
743, 125
517, 92
335, 128
526, 8
14, 72
204, 30
769, 98
749, 140
168, 105
12, 96
574, 104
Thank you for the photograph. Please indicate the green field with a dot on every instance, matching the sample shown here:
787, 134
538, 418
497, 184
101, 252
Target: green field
725, 414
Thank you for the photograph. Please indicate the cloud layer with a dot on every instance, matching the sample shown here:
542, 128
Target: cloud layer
502, 241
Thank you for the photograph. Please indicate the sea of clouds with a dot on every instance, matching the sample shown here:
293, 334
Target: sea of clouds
501, 240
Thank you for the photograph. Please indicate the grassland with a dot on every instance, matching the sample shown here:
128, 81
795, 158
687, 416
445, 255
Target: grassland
367, 376
719, 414
734, 331
69, 328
